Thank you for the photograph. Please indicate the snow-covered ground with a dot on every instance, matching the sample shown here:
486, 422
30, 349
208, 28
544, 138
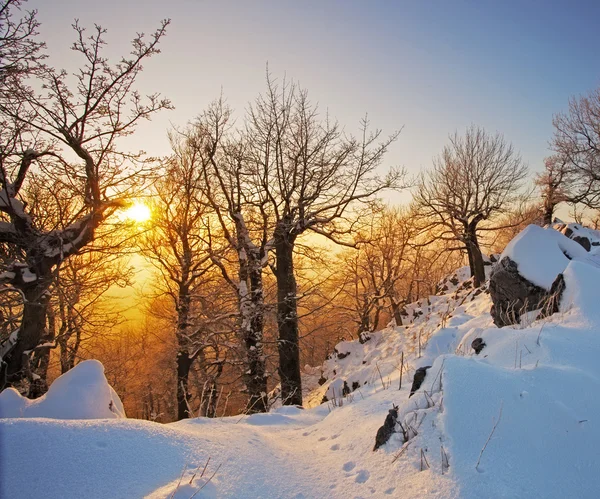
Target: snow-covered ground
528, 401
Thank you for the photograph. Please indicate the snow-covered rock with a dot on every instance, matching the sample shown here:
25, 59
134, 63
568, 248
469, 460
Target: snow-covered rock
81, 393
541, 254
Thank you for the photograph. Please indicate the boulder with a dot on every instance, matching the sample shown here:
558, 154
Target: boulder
389, 427
418, 379
513, 295
478, 345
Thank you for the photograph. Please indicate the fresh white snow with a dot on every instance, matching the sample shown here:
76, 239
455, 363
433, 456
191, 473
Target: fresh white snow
81, 393
528, 399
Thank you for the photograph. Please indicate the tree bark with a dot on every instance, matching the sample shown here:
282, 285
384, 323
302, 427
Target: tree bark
32, 330
475, 257
548, 212
287, 319
396, 311
256, 379
184, 363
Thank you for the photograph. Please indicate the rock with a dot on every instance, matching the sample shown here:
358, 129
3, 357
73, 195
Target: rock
341, 355
418, 379
355, 385
513, 295
389, 427
345, 389
478, 344
584, 241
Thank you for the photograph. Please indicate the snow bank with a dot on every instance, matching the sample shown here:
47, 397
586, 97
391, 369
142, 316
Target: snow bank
542, 254
539, 378
81, 393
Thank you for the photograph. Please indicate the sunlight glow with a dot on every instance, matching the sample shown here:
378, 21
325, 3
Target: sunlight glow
138, 213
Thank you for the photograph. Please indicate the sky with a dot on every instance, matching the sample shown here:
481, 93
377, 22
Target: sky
428, 67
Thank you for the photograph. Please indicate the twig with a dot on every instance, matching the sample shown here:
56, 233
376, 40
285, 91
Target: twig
195, 472
423, 458
207, 481
404, 447
179, 482
401, 369
380, 376
490, 436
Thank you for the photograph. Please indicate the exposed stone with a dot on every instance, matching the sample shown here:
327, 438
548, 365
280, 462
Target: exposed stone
513, 295
388, 429
355, 385
345, 389
418, 379
478, 344
341, 355
584, 241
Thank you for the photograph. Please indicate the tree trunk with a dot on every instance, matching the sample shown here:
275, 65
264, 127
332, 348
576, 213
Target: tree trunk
256, 379
287, 320
475, 257
548, 212
184, 363
31, 332
396, 311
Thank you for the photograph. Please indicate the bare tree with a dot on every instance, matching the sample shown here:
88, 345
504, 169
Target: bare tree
554, 185
177, 245
476, 178
244, 225
69, 127
576, 143
20, 51
309, 174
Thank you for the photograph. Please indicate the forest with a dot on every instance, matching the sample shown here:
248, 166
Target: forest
268, 235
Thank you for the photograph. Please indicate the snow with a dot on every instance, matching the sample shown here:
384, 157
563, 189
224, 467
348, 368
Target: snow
528, 397
541, 254
81, 393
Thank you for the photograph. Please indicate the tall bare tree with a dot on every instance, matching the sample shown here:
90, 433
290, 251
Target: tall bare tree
69, 127
177, 244
310, 175
476, 178
244, 225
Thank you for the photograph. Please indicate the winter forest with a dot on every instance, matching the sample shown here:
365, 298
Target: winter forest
277, 304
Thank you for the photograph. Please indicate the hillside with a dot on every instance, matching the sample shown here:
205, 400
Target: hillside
516, 420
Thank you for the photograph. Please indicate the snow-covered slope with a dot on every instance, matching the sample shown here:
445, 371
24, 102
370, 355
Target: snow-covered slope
516, 420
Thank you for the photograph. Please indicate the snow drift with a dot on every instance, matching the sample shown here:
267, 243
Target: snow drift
516, 420
81, 393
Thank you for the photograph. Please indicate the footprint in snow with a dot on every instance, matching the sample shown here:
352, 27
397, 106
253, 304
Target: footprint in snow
362, 476
349, 466
335, 447
322, 438
390, 491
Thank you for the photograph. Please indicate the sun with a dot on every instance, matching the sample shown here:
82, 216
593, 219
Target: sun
138, 213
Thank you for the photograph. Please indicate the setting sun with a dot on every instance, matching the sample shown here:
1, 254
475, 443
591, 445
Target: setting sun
138, 212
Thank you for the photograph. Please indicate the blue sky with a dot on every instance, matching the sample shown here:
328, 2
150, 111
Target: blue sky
432, 67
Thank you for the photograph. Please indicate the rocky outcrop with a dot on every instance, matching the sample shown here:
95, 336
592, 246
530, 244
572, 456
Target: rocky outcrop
478, 345
513, 295
389, 427
418, 379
